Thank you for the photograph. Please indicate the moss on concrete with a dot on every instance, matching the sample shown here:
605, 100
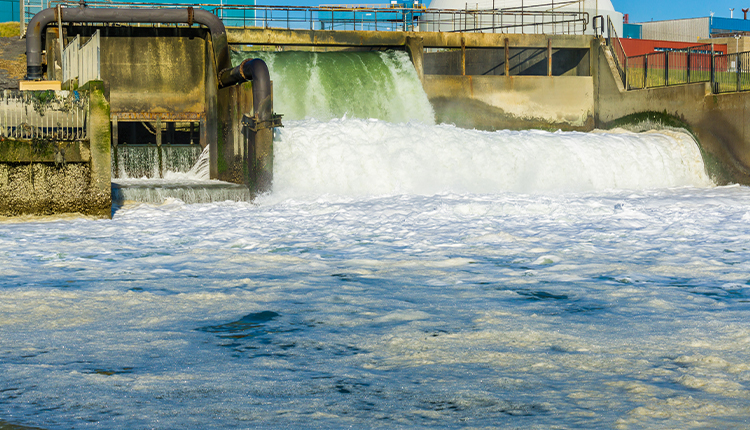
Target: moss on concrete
46, 177
46, 189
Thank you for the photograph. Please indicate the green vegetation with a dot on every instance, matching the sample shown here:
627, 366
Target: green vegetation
10, 29
655, 77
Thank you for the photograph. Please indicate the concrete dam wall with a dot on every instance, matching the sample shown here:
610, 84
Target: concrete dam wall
482, 81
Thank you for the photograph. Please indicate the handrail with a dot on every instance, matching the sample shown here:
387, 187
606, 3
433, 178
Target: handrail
386, 18
618, 52
694, 64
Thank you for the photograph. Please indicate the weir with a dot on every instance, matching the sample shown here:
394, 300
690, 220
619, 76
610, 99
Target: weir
172, 91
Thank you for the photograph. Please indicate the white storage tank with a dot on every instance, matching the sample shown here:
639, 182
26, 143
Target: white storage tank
475, 15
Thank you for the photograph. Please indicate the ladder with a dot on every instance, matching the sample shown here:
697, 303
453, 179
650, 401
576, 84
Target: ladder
28, 9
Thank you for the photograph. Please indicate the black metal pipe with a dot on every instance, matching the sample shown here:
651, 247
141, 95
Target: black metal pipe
155, 16
254, 70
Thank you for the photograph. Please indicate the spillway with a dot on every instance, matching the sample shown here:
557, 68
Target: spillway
181, 172
372, 157
326, 86
358, 123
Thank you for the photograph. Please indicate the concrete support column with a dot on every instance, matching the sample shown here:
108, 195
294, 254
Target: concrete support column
115, 132
463, 56
507, 57
101, 145
415, 47
158, 128
549, 57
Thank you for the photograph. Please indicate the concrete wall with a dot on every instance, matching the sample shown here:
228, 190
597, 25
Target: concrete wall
151, 69
521, 62
514, 102
243, 155
45, 176
393, 39
231, 146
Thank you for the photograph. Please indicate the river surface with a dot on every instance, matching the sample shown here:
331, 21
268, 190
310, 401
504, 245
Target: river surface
400, 274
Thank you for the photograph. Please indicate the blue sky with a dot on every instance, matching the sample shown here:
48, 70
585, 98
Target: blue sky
659, 10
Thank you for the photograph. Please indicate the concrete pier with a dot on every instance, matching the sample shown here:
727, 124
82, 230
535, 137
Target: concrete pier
56, 164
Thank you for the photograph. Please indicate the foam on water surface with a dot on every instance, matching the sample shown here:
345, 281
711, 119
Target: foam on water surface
614, 309
400, 275
360, 157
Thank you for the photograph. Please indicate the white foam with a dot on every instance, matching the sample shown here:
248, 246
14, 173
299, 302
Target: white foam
353, 157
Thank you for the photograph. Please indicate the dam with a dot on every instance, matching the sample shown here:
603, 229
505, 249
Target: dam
565, 80
405, 269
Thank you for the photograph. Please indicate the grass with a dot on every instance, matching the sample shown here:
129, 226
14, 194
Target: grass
725, 81
10, 29
656, 77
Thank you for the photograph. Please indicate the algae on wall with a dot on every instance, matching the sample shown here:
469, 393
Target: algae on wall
55, 153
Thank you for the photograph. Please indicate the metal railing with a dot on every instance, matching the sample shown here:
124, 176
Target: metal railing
676, 67
731, 72
48, 115
700, 63
618, 53
544, 18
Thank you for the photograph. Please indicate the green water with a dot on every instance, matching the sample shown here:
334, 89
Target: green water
327, 85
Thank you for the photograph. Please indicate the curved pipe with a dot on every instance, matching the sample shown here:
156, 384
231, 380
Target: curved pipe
254, 70
155, 16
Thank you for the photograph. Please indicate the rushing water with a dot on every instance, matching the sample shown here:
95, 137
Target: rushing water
400, 275
176, 179
151, 161
325, 86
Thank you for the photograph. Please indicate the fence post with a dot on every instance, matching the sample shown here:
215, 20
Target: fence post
738, 70
688, 65
645, 71
713, 68
666, 68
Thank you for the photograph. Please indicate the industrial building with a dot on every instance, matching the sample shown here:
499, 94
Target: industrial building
541, 16
635, 47
732, 32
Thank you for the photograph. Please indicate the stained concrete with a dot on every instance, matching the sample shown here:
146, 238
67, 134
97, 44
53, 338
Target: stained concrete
393, 39
513, 102
45, 189
36, 180
152, 69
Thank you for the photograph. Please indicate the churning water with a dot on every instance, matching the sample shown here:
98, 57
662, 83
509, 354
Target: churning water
400, 275
326, 86
183, 175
